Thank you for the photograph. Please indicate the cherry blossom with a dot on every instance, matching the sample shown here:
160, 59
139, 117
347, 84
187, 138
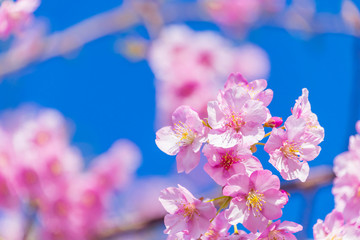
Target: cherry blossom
302, 109
190, 67
185, 138
15, 15
236, 118
186, 213
290, 151
226, 162
334, 228
255, 199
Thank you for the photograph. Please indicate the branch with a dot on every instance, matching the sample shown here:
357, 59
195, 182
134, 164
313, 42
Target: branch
61, 43
153, 16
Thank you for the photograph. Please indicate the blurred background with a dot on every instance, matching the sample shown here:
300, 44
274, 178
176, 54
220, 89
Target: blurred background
114, 86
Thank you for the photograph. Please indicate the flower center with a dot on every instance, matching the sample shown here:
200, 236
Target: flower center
254, 200
189, 211
290, 150
185, 134
228, 160
234, 121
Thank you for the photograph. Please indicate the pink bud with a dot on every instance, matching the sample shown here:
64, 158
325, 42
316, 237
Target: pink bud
357, 126
274, 122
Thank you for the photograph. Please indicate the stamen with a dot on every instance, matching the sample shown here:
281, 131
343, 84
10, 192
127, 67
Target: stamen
290, 150
189, 210
228, 160
185, 134
234, 121
254, 201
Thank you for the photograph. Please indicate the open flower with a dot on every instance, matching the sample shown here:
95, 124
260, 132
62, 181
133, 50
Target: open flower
185, 138
256, 88
256, 199
302, 109
334, 228
236, 118
289, 150
226, 162
186, 213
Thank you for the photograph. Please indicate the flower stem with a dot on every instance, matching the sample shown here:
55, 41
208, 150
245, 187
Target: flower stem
236, 229
263, 144
218, 198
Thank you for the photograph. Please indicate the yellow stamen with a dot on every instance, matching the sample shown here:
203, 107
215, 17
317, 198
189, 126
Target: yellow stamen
254, 200
185, 134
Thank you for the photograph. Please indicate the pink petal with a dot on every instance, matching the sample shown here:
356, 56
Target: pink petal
167, 141
187, 159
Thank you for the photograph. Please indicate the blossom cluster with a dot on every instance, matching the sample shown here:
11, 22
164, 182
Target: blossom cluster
191, 66
16, 15
343, 222
235, 125
42, 176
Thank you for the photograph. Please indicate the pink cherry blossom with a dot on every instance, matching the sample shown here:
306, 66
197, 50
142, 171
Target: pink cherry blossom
290, 151
226, 162
234, 12
236, 118
41, 135
180, 50
251, 61
185, 138
334, 228
255, 199
115, 168
346, 192
348, 163
190, 89
190, 66
256, 88
357, 126
15, 15
302, 109
278, 230
186, 213
241, 13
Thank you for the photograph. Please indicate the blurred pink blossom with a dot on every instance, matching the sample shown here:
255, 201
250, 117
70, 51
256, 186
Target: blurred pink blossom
190, 66
15, 15
241, 13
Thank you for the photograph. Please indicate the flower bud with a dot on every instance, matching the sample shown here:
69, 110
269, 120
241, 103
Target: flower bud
253, 148
274, 122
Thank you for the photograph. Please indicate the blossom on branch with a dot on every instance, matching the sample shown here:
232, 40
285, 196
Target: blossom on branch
184, 138
186, 213
255, 199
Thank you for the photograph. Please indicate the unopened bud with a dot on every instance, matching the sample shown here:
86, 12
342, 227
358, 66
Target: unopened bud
358, 127
253, 148
274, 122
